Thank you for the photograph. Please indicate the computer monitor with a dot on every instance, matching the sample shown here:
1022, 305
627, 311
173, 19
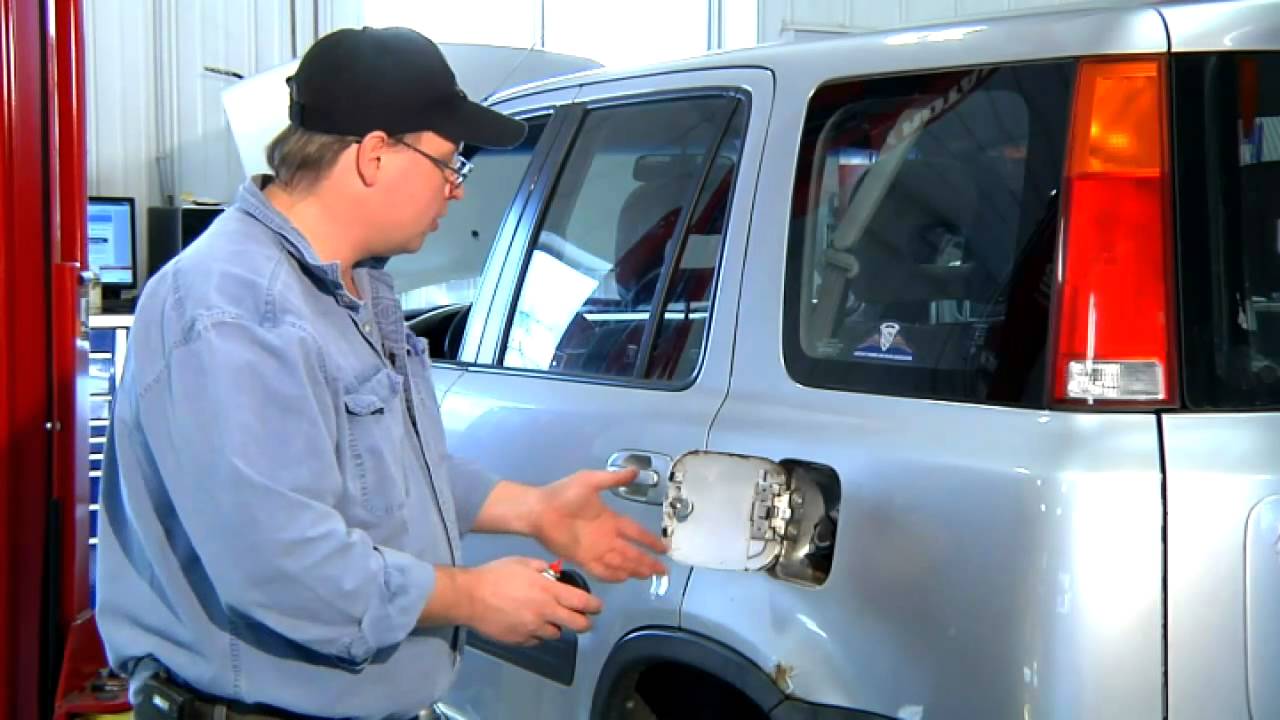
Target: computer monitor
171, 229
113, 241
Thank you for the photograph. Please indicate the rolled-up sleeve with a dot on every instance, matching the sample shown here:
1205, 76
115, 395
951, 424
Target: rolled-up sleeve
245, 443
472, 486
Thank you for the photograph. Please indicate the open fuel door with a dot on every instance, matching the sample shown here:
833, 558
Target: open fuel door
735, 512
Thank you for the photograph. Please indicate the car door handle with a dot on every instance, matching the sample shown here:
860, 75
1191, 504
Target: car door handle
650, 467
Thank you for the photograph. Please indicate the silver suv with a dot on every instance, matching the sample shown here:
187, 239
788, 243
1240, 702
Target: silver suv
950, 358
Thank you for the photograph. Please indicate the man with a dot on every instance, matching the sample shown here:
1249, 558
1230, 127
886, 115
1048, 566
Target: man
282, 519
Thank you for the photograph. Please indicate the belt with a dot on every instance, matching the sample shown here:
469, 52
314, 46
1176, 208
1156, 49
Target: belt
162, 698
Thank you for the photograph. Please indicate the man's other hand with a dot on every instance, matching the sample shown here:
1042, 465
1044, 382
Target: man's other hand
512, 602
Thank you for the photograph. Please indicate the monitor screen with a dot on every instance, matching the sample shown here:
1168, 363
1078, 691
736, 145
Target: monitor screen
111, 240
195, 220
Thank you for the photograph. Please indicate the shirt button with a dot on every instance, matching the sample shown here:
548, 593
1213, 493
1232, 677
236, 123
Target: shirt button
367, 327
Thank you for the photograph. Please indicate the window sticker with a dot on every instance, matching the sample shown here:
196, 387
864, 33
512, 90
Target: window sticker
887, 344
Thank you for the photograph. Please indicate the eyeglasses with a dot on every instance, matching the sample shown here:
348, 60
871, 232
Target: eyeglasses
455, 173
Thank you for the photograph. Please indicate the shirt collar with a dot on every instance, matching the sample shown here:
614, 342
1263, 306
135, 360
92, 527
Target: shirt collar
251, 199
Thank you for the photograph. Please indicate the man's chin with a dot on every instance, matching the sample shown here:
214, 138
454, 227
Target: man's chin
415, 245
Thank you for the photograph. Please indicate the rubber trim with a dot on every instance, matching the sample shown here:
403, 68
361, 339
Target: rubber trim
800, 710
554, 660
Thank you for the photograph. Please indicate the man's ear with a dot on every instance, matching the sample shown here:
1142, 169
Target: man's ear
369, 152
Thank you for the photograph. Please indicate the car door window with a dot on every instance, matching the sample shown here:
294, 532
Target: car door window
924, 234
446, 271
634, 223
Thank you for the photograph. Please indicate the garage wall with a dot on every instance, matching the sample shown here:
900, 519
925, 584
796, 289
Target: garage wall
786, 19
155, 125
120, 98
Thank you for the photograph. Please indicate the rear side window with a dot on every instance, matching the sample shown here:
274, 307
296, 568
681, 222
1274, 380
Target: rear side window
1227, 157
923, 230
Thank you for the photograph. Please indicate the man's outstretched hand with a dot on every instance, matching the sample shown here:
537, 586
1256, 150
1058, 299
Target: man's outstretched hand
573, 522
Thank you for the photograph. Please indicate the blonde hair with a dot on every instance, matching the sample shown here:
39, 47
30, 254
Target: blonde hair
299, 158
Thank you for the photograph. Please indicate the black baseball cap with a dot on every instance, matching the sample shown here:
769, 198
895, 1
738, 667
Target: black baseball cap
355, 81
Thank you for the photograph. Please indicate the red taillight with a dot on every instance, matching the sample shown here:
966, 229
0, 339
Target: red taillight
1115, 323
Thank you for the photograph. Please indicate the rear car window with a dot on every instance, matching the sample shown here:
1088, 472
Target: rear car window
1227, 160
923, 229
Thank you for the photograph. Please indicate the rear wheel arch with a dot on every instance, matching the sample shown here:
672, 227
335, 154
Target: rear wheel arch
656, 646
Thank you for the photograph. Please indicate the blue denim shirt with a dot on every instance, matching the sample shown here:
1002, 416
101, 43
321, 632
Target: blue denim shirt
276, 490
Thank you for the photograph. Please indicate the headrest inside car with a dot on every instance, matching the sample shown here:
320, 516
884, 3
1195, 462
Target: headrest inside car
656, 168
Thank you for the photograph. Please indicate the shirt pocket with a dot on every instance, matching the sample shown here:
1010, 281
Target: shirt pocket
378, 443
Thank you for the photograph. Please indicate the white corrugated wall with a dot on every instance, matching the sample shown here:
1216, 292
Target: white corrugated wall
780, 19
155, 125
120, 103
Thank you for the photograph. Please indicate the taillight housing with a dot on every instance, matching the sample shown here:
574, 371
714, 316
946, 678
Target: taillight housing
1114, 340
